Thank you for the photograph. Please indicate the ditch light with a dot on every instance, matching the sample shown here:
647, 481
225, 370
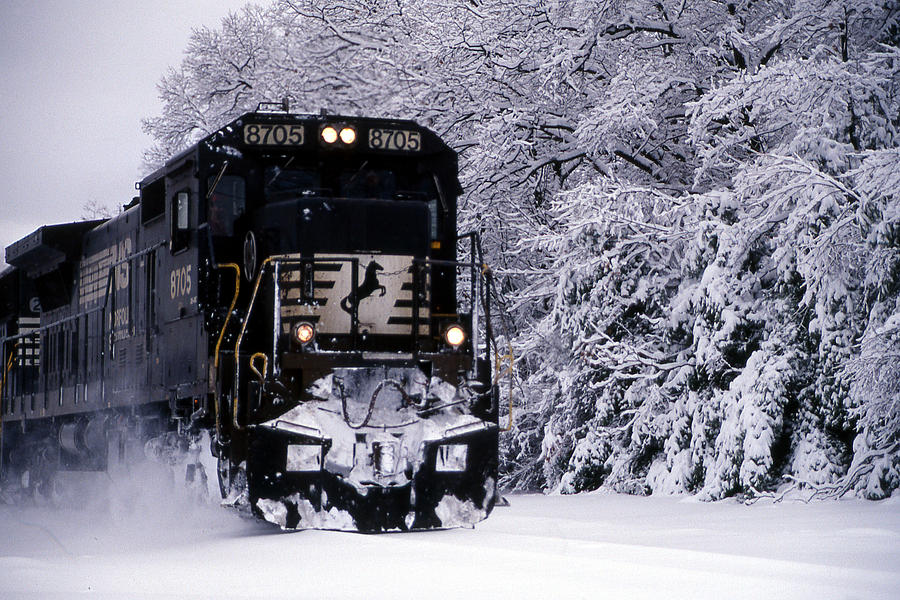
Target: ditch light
304, 333
455, 335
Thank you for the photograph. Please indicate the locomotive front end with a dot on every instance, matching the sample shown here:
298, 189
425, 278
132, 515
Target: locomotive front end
379, 449
358, 394
365, 420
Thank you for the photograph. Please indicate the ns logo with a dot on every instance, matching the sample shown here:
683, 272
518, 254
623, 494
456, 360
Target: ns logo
122, 270
368, 287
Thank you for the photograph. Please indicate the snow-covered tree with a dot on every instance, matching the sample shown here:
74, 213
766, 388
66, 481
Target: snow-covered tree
691, 210
94, 209
781, 270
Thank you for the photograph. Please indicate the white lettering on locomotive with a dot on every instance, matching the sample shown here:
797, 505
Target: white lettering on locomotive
94, 272
180, 282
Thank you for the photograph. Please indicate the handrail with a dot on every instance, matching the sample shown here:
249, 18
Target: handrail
9, 363
276, 320
240, 338
60, 322
476, 253
237, 289
262, 379
260, 375
500, 359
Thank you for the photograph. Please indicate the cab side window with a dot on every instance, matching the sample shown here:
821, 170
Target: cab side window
181, 221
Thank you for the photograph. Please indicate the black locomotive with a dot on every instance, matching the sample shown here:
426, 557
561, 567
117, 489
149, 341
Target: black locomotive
291, 285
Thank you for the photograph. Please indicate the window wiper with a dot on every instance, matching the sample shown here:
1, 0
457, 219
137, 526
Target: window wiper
440, 192
355, 175
280, 171
218, 179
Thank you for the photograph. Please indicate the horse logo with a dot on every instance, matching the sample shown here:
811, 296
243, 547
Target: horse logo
368, 287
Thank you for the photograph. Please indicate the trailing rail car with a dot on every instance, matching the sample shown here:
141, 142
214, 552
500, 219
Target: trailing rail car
290, 284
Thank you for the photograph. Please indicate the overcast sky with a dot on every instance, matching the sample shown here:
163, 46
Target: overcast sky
76, 78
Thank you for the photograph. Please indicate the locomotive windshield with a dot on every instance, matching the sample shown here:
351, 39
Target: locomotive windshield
283, 183
368, 180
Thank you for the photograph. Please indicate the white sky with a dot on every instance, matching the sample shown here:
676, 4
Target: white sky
76, 78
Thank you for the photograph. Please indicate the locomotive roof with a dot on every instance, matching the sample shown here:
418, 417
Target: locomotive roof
49, 245
231, 129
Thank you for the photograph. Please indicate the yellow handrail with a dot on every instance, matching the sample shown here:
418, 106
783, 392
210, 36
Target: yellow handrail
265, 369
237, 289
259, 275
9, 363
237, 343
262, 379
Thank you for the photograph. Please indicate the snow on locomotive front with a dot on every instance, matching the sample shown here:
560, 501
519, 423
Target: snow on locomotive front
351, 373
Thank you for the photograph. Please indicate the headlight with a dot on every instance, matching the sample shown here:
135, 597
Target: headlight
455, 335
329, 135
304, 333
303, 457
348, 135
451, 458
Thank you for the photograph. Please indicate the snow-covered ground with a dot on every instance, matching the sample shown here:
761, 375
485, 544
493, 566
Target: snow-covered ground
152, 541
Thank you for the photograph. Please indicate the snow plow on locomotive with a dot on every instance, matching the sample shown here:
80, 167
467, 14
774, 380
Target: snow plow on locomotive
291, 285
